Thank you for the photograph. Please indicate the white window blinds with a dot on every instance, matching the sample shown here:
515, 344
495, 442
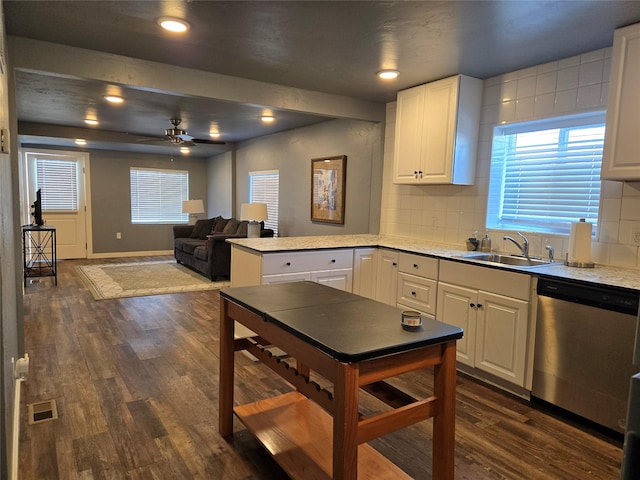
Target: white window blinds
264, 187
157, 195
546, 174
58, 182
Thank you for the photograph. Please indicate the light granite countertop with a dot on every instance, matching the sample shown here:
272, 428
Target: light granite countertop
603, 275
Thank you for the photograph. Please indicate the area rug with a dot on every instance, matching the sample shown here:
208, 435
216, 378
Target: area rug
119, 280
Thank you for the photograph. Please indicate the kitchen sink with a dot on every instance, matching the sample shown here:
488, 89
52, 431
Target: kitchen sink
514, 260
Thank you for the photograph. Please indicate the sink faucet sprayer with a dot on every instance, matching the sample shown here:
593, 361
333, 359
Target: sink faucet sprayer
524, 248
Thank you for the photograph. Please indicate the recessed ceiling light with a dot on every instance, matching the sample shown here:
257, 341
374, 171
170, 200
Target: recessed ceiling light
114, 99
184, 150
173, 24
91, 121
81, 141
267, 118
388, 74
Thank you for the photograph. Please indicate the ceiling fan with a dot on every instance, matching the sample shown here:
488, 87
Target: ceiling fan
178, 136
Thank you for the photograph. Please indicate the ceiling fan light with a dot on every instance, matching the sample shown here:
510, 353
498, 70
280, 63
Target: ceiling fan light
173, 24
114, 99
388, 74
214, 134
184, 150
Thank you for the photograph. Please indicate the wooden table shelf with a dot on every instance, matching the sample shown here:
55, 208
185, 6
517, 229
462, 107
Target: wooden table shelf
299, 436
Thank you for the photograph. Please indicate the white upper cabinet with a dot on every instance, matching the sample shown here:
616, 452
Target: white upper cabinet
621, 156
437, 132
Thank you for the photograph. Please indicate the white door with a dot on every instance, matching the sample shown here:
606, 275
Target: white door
60, 176
458, 306
501, 346
341, 278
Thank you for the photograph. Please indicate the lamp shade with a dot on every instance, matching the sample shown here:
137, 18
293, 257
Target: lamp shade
192, 206
254, 212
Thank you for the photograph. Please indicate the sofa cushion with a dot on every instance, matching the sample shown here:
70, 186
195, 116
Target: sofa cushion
231, 226
219, 224
202, 228
200, 253
242, 228
188, 245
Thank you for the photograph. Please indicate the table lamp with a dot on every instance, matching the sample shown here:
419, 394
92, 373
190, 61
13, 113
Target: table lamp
193, 208
254, 213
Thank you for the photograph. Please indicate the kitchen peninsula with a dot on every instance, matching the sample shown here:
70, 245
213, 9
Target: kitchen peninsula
601, 275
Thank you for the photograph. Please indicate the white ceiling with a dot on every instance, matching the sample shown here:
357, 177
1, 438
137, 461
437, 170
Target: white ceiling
307, 46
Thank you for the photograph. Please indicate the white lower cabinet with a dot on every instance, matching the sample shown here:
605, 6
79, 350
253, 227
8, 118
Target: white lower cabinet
365, 266
387, 276
417, 283
329, 267
496, 325
342, 279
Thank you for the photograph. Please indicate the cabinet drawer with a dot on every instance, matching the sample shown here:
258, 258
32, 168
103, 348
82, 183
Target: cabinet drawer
418, 265
417, 292
291, 262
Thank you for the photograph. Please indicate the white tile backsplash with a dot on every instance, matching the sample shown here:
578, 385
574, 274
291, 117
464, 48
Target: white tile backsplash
450, 214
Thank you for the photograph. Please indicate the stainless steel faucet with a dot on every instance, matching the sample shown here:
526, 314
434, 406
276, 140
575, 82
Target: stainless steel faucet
549, 248
524, 248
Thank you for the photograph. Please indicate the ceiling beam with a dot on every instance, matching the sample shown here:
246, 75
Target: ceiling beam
55, 59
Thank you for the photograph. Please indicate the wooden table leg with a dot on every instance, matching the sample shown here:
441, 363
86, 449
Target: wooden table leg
345, 423
445, 421
226, 373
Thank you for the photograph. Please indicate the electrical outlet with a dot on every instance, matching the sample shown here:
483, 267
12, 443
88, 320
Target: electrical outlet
635, 236
118, 236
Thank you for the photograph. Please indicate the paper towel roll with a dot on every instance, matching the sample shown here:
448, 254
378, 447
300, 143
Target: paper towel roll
580, 242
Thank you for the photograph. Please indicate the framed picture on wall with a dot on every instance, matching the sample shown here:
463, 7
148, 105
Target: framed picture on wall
328, 184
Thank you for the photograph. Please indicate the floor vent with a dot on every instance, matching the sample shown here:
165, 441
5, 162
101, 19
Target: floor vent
42, 411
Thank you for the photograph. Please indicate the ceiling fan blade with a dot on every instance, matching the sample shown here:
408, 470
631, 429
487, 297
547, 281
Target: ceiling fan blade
208, 142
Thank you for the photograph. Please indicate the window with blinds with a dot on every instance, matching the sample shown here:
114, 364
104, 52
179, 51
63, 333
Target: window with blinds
546, 174
264, 187
58, 182
157, 195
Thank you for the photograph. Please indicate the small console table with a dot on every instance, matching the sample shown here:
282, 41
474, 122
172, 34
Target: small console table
39, 252
354, 343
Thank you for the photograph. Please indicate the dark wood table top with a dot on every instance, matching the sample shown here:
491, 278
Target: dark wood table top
348, 327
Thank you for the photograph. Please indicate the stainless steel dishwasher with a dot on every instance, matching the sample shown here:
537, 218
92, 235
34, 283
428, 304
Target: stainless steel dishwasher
585, 336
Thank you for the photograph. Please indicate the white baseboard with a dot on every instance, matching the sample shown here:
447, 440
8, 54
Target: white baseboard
130, 254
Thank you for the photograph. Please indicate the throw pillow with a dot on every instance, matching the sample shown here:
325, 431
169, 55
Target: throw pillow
219, 225
200, 229
207, 229
242, 228
231, 226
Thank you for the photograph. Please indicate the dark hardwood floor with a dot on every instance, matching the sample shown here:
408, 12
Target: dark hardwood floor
135, 384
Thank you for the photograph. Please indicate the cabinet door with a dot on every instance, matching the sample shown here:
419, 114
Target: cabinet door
340, 278
417, 292
364, 272
409, 117
387, 276
286, 277
501, 336
457, 306
621, 155
438, 130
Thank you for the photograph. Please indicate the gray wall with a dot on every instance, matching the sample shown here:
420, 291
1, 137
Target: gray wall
291, 153
220, 181
111, 205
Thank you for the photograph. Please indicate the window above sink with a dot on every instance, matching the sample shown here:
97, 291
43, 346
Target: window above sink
545, 174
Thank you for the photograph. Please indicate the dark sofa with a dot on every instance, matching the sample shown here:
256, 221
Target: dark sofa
203, 246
